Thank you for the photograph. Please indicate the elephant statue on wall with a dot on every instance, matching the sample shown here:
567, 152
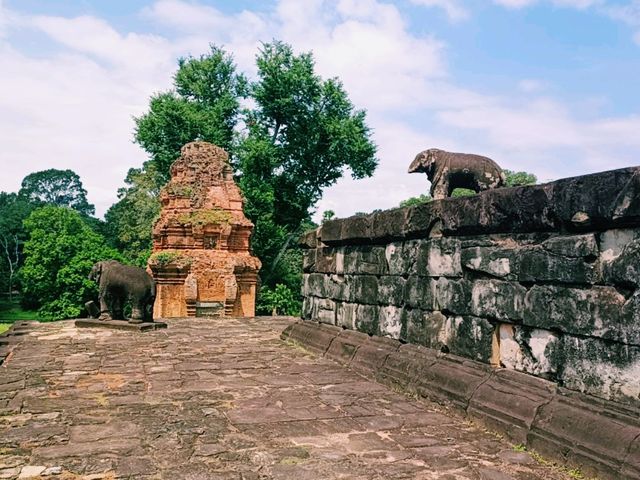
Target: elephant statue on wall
120, 283
447, 171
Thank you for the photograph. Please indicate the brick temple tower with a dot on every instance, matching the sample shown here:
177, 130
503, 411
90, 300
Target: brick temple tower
201, 260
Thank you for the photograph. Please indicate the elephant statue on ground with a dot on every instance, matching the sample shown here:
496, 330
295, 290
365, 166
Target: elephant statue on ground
120, 283
447, 171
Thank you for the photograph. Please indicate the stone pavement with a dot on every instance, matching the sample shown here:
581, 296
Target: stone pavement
222, 399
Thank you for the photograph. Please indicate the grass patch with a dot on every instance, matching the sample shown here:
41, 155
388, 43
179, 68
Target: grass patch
4, 327
11, 311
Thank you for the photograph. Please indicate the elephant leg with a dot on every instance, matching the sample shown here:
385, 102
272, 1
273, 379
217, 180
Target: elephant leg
105, 313
441, 191
137, 310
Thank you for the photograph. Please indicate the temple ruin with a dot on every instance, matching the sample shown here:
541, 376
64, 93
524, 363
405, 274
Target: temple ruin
201, 260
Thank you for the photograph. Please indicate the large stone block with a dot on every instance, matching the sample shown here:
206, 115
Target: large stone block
600, 200
315, 284
391, 290
508, 403
403, 366
469, 337
364, 289
529, 350
345, 345
368, 319
388, 225
451, 380
390, 321
370, 356
365, 259
582, 430
623, 268
494, 261
357, 229
438, 257
453, 296
597, 311
414, 326
331, 231
401, 257
309, 239
326, 311
497, 299
582, 246
608, 370
326, 260
339, 287
309, 260
419, 292
346, 315
539, 265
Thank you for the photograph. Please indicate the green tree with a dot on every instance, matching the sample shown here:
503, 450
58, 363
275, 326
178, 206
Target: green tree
204, 105
13, 210
62, 188
130, 220
300, 135
59, 253
515, 179
419, 200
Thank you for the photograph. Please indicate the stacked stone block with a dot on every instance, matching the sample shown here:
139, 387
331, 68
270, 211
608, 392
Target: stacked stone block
541, 279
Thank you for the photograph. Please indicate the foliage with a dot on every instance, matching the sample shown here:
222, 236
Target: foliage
515, 179
11, 311
200, 218
178, 190
130, 220
462, 192
4, 327
59, 254
204, 105
167, 257
13, 210
301, 133
280, 300
419, 200
62, 188
328, 215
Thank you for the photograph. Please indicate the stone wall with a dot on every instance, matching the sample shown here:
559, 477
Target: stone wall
540, 279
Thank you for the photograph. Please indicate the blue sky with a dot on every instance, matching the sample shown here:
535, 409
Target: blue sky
547, 86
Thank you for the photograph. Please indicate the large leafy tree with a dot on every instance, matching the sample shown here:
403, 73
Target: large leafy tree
59, 253
204, 105
299, 134
129, 220
56, 187
302, 134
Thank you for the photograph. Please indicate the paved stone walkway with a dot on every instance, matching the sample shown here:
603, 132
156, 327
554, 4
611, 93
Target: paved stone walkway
222, 399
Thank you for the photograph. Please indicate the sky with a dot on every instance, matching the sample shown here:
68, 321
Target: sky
545, 86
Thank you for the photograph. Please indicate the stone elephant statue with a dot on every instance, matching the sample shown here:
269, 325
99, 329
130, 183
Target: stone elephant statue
447, 171
120, 283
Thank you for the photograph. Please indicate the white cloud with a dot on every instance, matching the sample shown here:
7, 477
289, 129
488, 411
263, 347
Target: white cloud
453, 9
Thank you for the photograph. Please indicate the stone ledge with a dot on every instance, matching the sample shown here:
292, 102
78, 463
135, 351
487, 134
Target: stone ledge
597, 201
598, 436
119, 325
13, 336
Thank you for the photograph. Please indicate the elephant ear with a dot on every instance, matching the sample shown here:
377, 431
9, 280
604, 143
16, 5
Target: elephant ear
96, 271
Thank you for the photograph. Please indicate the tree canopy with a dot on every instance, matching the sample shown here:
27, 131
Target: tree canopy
59, 253
204, 105
62, 188
295, 136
